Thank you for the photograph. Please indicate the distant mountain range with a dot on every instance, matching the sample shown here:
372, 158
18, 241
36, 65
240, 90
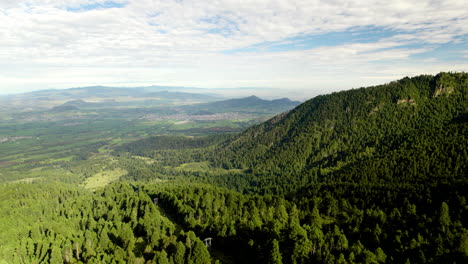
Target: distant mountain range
103, 97
151, 96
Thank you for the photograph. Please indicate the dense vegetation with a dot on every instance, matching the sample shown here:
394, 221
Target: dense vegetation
371, 175
408, 130
327, 223
385, 167
71, 225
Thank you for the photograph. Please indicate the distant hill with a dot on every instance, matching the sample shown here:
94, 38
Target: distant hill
409, 130
76, 103
246, 104
64, 108
73, 105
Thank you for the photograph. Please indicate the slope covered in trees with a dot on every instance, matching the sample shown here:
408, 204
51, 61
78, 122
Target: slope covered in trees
408, 130
373, 175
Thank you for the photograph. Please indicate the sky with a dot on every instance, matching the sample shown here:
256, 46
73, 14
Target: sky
300, 48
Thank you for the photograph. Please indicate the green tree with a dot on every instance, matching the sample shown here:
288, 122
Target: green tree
55, 255
380, 255
162, 259
444, 216
463, 248
302, 245
179, 257
200, 254
275, 253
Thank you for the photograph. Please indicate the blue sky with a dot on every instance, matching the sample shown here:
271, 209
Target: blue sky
95, 5
300, 48
366, 34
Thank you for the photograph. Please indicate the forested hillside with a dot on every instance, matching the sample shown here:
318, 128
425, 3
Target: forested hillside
372, 175
409, 130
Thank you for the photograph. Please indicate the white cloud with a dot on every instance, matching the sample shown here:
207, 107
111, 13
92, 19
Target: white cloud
43, 44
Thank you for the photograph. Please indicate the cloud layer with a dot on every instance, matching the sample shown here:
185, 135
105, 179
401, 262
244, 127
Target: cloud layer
227, 43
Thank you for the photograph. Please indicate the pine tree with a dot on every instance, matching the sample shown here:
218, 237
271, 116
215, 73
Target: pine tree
444, 217
179, 257
275, 253
162, 259
200, 254
55, 255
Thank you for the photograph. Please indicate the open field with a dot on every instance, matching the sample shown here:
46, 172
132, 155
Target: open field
103, 178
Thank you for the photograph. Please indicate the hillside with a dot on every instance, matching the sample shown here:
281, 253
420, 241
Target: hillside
371, 175
374, 175
373, 129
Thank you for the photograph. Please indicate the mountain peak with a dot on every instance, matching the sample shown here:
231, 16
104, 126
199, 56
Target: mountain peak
252, 97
